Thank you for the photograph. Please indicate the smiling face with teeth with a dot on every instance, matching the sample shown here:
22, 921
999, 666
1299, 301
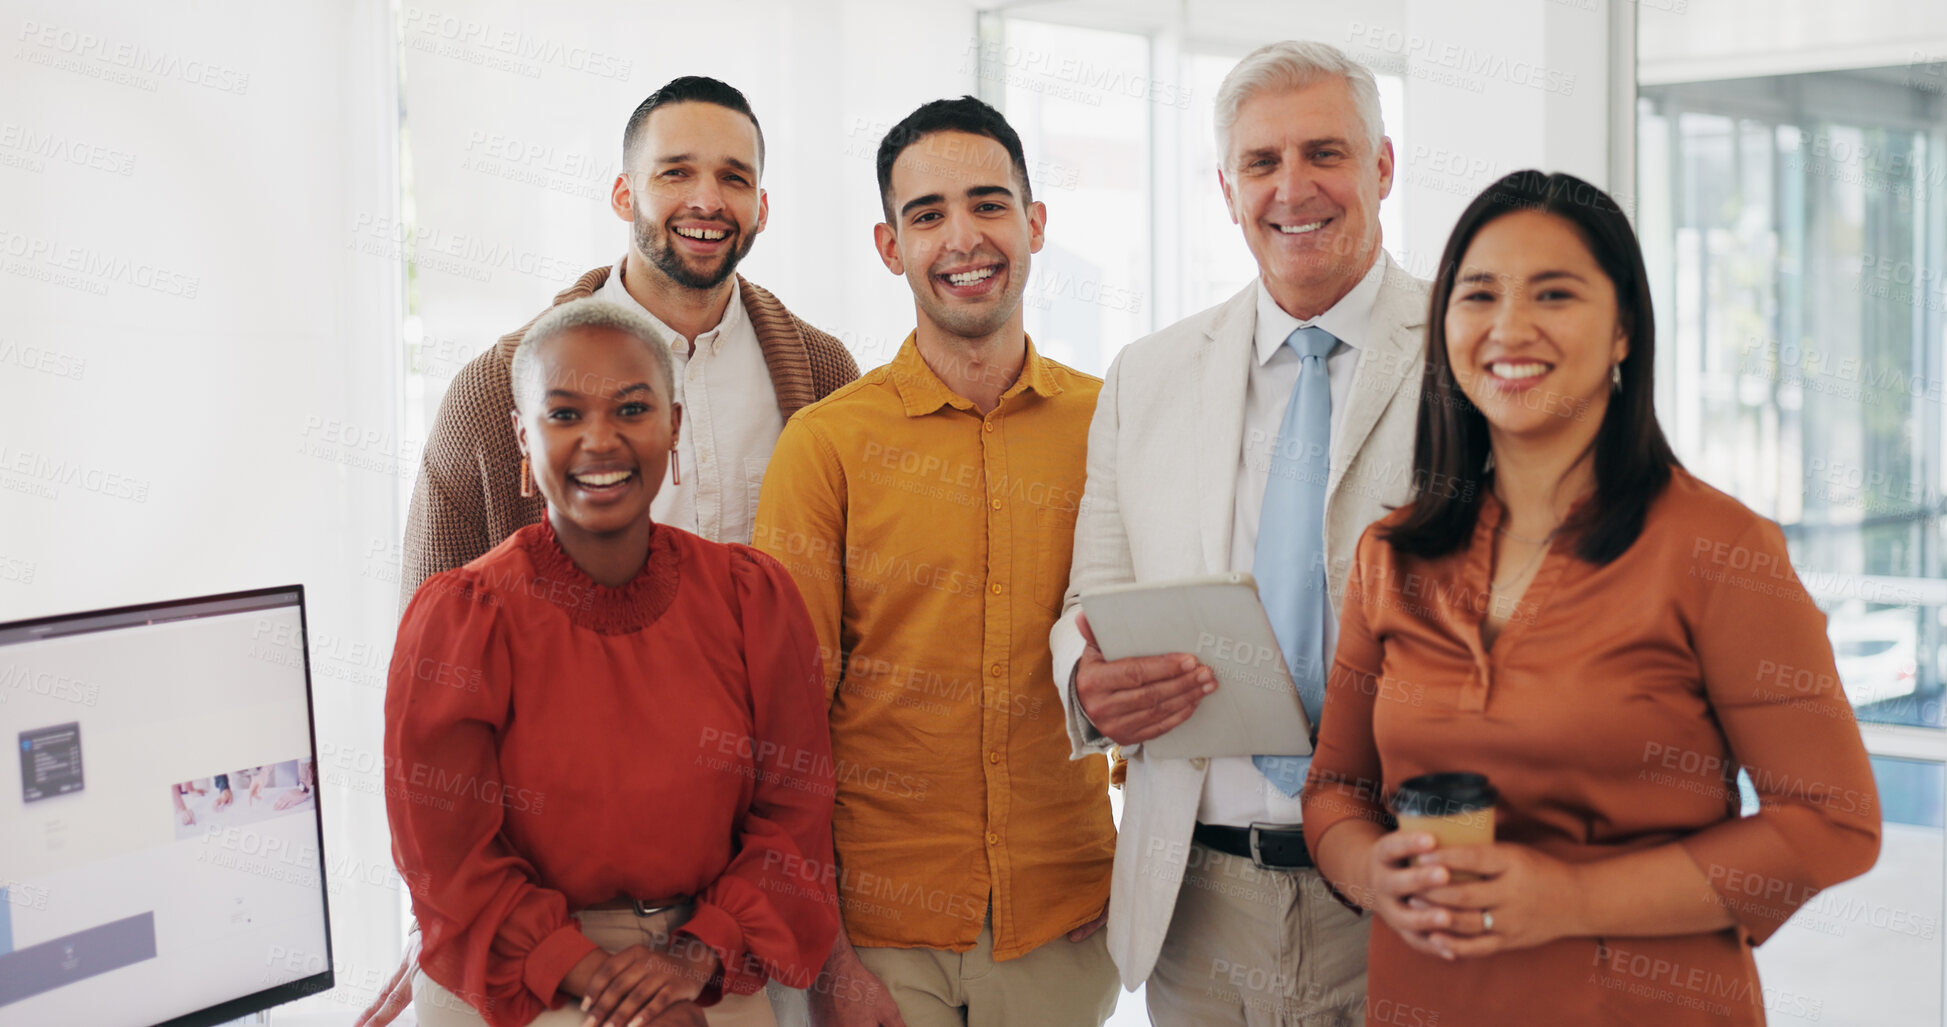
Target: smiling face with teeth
1304, 181
961, 233
1532, 328
691, 192
597, 426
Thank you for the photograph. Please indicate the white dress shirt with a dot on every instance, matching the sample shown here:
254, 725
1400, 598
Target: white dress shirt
1235, 792
730, 420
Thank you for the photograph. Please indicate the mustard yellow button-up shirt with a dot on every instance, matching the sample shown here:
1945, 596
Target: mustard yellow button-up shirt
931, 545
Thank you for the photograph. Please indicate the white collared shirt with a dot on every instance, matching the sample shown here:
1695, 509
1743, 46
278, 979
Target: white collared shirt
730, 420
1235, 792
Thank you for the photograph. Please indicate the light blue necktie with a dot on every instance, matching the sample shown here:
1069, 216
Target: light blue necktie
1289, 564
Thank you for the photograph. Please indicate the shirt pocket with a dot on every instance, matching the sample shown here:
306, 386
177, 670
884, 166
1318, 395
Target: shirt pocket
1054, 532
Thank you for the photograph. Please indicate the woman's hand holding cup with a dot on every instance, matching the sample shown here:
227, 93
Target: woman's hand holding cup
1398, 879
1477, 897
1520, 898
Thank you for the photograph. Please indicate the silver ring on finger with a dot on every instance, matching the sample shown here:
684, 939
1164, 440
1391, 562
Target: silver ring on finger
1487, 922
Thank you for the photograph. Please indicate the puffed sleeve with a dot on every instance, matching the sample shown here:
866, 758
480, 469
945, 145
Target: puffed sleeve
801, 522
490, 934
1819, 819
773, 911
1346, 777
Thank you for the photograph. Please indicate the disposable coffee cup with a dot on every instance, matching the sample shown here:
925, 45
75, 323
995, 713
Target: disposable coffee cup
1455, 808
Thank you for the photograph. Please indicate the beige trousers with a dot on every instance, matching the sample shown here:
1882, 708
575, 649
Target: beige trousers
1061, 984
613, 930
1258, 948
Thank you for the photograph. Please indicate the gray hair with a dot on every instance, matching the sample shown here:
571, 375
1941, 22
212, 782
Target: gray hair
588, 312
1294, 65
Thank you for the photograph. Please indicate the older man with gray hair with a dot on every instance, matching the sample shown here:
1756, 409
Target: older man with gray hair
1261, 435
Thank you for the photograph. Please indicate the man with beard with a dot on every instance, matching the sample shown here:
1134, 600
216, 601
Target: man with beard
926, 512
692, 160
692, 164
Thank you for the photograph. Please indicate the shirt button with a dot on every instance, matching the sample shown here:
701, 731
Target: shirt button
993, 839
997, 504
993, 757
1199, 762
990, 426
997, 588
995, 670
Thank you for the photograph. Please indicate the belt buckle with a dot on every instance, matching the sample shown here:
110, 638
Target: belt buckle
1257, 851
1257, 854
642, 910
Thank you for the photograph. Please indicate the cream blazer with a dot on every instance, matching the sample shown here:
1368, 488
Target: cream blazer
1163, 451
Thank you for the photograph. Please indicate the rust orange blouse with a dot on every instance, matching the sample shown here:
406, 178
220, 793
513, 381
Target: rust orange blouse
1613, 713
551, 743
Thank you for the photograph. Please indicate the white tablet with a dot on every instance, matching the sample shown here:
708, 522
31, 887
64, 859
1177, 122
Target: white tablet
1255, 709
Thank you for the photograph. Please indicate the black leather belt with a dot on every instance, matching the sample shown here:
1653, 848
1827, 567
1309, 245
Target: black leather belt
1267, 845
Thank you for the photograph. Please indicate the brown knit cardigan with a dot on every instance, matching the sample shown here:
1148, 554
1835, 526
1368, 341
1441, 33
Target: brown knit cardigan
468, 495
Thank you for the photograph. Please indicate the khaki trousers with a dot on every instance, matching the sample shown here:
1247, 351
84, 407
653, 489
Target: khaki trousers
788, 1005
614, 930
1258, 948
1061, 984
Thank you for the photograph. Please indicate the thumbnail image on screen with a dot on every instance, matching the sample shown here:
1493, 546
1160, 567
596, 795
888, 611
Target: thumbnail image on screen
244, 796
50, 762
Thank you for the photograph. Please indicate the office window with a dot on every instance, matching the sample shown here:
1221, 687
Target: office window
1082, 101
1796, 239
1797, 258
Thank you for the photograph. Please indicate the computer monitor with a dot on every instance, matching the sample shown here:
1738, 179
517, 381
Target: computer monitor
161, 850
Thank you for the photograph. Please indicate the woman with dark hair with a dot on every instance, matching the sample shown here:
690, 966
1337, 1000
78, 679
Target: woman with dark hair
609, 771
1565, 610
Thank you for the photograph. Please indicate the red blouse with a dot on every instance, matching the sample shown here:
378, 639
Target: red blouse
552, 743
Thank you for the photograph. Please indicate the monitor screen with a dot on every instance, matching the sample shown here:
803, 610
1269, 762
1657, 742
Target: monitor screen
160, 839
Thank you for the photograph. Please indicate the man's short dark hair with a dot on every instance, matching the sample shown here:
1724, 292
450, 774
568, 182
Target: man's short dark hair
691, 89
966, 114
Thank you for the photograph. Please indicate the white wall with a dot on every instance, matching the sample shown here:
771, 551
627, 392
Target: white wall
193, 351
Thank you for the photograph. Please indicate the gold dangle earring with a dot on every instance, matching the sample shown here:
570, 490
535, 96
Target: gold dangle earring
675, 466
527, 480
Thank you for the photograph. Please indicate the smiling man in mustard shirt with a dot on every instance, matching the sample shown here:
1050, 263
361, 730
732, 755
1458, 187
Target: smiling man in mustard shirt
927, 512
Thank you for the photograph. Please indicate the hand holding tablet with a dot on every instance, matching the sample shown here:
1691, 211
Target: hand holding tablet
1133, 699
1218, 619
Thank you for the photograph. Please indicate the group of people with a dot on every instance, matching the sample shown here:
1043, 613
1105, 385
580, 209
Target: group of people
780, 679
